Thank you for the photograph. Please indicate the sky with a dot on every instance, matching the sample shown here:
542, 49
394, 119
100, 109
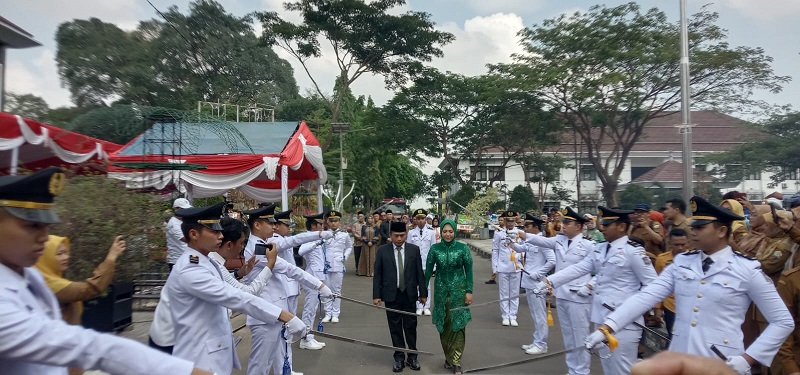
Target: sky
485, 33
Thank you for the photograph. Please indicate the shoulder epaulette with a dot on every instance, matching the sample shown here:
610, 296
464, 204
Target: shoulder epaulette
634, 243
194, 259
739, 254
791, 271
691, 252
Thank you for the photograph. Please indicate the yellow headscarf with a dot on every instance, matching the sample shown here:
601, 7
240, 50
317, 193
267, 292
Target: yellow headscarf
737, 209
48, 265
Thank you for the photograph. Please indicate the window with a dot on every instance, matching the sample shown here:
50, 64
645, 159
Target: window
754, 176
788, 173
488, 173
701, 167
588, 173
537, 175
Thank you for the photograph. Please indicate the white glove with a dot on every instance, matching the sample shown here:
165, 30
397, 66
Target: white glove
595, 341
295, 329
325, 292
739, 364
536, 276
325, 234
540, 288
584, 291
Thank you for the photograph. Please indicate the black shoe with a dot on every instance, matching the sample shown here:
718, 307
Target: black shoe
413, 364
491, 282
398, 366
457, 370
447, 365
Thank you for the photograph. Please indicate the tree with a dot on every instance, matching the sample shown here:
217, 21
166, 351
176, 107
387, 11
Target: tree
521, 199
365, 37
27, 105
608, 72
208, 55
463, 196
775, 151
633, 195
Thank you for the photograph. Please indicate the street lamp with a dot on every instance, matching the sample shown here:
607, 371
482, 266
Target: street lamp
686, 123
340, 128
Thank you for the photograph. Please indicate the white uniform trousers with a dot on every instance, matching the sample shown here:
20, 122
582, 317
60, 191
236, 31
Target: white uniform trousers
625, 355
538, 306
310, 306
508, 283
267, 350
427, 304
292, 302
334, 281
574, 320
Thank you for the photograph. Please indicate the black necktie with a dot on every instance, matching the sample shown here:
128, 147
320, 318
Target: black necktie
569, 242
608, 248
707, 264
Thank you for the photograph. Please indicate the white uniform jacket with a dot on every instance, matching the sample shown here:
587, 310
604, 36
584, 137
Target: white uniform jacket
567, 254
710, 307
538, 260
502, 251
424, 239
199, 299
621, 269
35, 341
162, 330
337, 250
276, 291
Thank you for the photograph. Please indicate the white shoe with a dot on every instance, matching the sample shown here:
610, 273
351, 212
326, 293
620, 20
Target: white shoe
335, 319
427, 311
419, 311
514, 323
326, 319
536, 350
310, 345
527, 346
319, 343
297, 373
506, 322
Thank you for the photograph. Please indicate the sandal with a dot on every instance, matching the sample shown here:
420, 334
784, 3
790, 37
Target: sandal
457, 370
447, 365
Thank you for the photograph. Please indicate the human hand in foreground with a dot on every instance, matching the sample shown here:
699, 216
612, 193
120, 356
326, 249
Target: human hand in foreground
672, 363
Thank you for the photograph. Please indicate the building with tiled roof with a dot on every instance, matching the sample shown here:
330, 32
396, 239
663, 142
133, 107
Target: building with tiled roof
651, 163
11, 37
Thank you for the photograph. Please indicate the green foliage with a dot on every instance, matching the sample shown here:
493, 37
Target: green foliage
220, 59
482, 203
775, 151
521, 199
611, 70
634, 194
115, 124
27, 105
463, 196
94, 210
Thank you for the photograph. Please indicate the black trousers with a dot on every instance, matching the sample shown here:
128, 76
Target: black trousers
669, 321
403, 328
357, 253
165, 349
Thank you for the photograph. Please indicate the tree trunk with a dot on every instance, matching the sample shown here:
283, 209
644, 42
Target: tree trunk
609, 190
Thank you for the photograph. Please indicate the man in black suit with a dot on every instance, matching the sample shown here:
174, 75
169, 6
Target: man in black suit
400, 288
385, 227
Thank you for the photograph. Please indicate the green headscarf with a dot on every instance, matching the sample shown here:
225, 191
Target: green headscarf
441, 227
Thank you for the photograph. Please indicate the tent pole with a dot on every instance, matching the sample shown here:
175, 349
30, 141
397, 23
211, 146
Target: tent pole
319, 197
284, 188
14, 160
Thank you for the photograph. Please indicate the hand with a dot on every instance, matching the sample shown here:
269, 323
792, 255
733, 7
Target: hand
739, 364
671, 363
325, 234
785, 223
376, 301
422, 300
197, 371
272, 256
540, 288
535, 276
295, 329
468, 299
521, 235
595, 341
117, 247
325, 292
584, 291
746, 204
247, 267
659, 314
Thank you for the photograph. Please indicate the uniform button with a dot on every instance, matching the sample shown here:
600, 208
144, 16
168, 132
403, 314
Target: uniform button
725, 283
699, 295
694, 324
696, 309
725, 341
702, 281
219, 345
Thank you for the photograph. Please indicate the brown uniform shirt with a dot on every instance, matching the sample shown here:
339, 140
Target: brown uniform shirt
789, 289
652, 244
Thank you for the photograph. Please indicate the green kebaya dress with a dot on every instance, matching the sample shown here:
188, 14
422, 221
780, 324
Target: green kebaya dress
453, 264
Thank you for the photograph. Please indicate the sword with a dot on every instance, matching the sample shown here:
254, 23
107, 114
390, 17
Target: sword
374, 305
523, 361
370, 344
644, 327
484, 303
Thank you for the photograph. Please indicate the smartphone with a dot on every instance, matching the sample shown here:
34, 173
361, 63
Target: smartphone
774, 214
261, 248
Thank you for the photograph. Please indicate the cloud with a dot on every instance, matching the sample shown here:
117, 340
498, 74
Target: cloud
121, 12
39, 77
506, 6
764, 10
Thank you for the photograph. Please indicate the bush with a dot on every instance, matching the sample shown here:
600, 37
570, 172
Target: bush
95, 209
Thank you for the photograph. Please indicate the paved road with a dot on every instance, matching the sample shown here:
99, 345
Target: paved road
488, 342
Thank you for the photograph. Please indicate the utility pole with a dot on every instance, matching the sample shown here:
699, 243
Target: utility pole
686, 123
